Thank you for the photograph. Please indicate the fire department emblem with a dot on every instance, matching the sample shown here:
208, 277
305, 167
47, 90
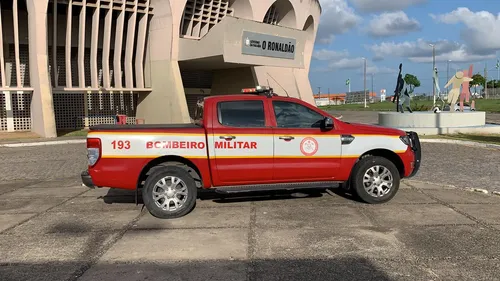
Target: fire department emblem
309, 146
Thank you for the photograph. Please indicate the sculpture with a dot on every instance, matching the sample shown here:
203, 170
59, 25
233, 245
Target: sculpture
465, 93
456, 81
398, 98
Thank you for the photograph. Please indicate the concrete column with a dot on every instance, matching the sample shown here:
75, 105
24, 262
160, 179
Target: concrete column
167, 101
42, 108
294, 81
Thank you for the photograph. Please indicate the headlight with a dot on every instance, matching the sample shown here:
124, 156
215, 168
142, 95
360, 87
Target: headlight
406, 140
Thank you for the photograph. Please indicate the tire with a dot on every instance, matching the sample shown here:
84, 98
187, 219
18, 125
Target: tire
363, 167
155, 206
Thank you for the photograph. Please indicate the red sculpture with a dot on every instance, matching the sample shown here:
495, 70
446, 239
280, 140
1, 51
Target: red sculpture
465, 94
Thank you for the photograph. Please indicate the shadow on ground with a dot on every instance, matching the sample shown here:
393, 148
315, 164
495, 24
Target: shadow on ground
125, 196
345, 268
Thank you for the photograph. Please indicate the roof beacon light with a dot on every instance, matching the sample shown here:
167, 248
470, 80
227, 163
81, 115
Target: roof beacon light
262, 88
249, 90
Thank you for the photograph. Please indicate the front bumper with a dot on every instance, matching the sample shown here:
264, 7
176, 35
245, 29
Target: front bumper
417, 151
87, 179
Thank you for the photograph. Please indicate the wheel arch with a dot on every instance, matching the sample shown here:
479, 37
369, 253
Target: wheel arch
169, 160
388, 154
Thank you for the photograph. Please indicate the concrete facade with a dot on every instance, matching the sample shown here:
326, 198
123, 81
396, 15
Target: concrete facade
172, 52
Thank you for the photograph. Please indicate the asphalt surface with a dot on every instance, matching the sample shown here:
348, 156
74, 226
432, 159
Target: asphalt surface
61, 231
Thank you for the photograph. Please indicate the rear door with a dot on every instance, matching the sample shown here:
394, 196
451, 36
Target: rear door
242, 142
302, 151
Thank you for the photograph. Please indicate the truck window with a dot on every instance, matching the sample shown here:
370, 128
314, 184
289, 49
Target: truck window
294, 115
248, 114
198, 114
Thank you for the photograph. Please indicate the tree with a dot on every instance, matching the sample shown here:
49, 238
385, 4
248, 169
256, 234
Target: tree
413, 81
477, 79
493, 84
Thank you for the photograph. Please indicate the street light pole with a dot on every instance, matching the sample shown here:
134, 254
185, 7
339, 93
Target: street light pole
372, 83
447, 75
433, 78
364, 87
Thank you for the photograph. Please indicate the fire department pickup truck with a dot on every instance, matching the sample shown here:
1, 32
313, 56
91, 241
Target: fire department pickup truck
252, 141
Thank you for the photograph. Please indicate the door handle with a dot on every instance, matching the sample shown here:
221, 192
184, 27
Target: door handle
287, 138
227, 137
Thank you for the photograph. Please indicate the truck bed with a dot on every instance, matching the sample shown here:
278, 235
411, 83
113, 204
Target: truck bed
116, 127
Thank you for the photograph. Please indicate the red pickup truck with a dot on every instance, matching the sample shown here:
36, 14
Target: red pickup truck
252, 141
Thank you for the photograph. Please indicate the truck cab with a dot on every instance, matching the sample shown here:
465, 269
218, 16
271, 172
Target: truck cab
251, 141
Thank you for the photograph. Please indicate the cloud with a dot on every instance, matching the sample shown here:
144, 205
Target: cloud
481, 28
391, 24
460, 55
373, 69
327, 55
354, 63
420, 51
336, 18
346, 63
370, 6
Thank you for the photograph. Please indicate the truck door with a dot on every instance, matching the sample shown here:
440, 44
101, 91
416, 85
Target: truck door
302, 151
242, 142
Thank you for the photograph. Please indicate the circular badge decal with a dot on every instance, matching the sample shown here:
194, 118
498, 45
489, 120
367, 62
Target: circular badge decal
309, 146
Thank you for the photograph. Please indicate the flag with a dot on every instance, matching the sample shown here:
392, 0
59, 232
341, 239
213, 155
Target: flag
348, 81
498, 64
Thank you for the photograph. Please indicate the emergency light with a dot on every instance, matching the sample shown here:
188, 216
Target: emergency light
266, 90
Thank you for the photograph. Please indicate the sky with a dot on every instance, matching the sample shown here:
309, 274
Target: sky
390, 32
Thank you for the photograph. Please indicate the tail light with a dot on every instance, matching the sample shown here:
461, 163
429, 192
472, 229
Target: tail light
93, 150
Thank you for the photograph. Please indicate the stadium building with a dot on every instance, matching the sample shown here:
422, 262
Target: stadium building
70, 64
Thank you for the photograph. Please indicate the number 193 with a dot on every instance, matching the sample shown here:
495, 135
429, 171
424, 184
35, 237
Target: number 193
121, 144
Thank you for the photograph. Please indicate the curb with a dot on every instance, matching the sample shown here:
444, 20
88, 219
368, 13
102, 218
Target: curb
468, 143
469, 189
27, 144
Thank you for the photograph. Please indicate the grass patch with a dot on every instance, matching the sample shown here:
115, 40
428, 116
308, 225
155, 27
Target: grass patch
490, 105
484, 138
72, 133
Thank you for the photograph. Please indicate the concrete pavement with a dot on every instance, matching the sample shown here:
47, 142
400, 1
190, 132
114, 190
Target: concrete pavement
61, 231
449, 164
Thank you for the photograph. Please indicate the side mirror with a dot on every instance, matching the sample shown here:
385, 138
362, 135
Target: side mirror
328, 123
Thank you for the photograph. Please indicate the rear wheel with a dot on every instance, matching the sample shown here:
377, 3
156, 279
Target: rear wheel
170, 192
375, 179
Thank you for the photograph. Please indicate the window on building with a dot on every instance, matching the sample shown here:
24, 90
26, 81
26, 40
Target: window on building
272, 15
294, 115
245, 114
202, 15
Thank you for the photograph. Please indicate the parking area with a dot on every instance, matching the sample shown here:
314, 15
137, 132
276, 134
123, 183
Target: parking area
52, 228
62, 231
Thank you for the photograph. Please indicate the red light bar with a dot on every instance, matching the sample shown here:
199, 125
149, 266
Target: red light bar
249, 90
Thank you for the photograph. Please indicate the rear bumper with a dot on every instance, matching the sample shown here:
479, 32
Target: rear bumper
87, 179
417, 152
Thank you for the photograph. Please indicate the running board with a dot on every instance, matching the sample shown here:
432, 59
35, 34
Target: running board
277, 186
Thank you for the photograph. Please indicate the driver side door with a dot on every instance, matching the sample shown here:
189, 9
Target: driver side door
302, 150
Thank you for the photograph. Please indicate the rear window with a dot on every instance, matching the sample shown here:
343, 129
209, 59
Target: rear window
249, 114
198, 114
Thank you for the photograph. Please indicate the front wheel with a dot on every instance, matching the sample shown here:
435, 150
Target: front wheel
170, 192
375, 179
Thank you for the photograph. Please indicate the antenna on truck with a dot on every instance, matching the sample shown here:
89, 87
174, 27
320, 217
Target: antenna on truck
278, 84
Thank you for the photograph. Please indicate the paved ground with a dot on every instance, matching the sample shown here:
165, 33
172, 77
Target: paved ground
61, 231
458, 165
53, 229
